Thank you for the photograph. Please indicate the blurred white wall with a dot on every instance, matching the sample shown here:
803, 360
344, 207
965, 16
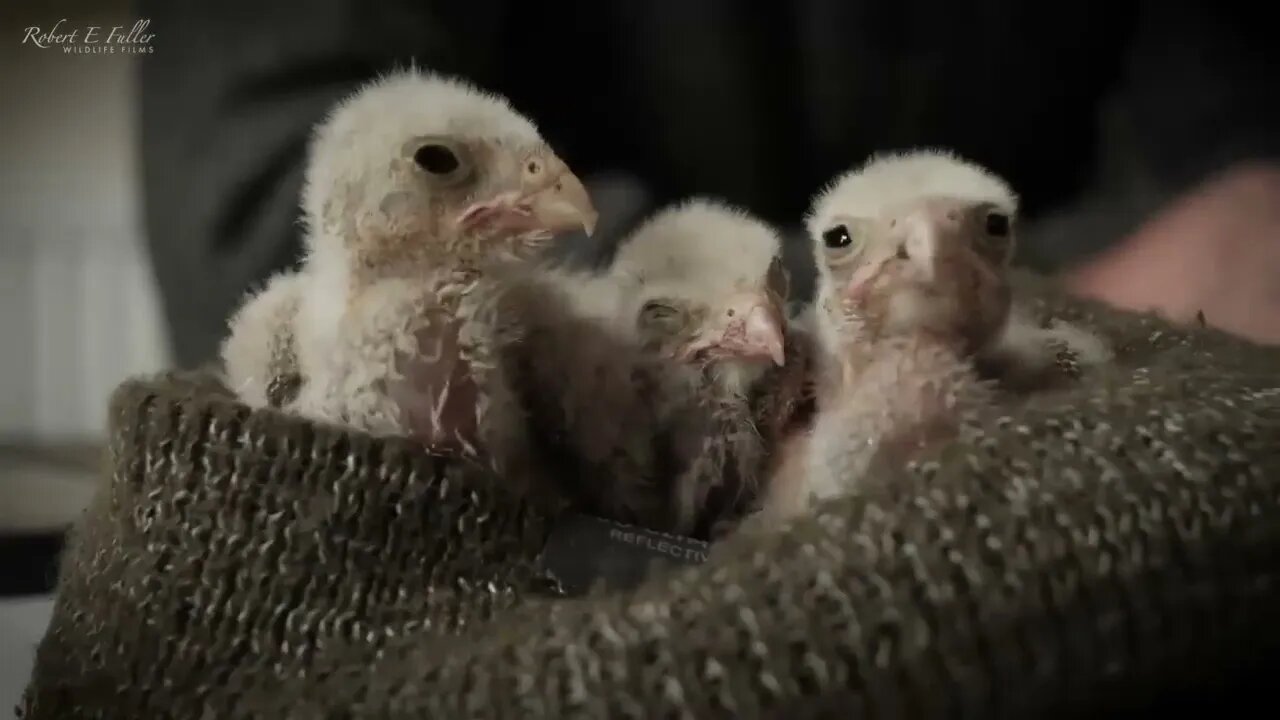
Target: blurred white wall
78, 307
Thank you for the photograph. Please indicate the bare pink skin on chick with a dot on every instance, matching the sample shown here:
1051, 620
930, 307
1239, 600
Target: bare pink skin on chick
529, 198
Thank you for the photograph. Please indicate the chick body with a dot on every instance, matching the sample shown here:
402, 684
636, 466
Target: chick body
420, 189
914, 280
706, 297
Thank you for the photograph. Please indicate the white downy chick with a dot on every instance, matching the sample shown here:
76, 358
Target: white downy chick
916, 253
930, 227
420, 188
259, 355
916, 250
707, 292
854, 206
858, 204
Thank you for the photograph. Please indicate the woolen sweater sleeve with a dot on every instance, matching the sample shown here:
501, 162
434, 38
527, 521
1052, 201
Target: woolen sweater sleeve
228, 101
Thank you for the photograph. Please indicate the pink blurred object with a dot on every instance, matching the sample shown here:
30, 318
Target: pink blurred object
1215, 251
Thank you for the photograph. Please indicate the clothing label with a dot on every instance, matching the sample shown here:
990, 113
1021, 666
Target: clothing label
584, 551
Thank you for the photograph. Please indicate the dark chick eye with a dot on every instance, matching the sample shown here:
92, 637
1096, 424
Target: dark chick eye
837, 237
998, 224
436, 159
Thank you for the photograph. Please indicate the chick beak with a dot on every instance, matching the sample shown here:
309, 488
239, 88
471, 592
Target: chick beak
561, 205
860, 283
553, 203
750, 328
911, 254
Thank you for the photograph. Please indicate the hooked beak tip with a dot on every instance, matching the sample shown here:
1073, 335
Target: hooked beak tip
779, 357
764, 332
551, 210
564, 206
589, 220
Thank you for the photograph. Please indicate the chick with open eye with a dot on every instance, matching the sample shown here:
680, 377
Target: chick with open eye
912, 277
917, 243
418, 190
916, 249
862, 225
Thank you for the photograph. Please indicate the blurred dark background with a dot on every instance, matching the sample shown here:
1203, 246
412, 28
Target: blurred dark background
78, 306
145, 191
1100, 113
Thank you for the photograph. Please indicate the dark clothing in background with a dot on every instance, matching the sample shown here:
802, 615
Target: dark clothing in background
1096, 111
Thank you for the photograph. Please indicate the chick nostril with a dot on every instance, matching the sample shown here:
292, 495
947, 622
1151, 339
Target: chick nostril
902, 252
730, 312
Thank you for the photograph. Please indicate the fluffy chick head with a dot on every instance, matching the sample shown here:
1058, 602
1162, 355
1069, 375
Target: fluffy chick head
915, 242
417, 166
708, 286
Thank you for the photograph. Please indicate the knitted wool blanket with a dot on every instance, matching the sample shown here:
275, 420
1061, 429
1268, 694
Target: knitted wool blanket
1109, 547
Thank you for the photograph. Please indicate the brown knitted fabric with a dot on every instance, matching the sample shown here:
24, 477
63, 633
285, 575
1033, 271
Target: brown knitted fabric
227, 538
1094, 548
